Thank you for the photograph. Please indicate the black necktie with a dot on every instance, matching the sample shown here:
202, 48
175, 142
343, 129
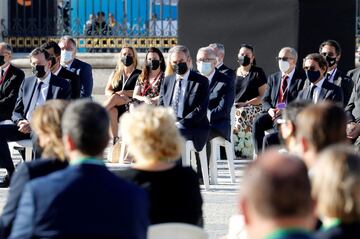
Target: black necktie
312, 93
35, 98
175, 103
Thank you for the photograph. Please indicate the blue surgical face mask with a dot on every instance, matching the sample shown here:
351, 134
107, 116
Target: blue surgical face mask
204, 68
312, 75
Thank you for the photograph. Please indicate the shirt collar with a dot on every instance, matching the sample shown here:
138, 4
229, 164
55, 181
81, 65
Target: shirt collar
333, 71
218, 66
89, 160
283, 232
184, 77
46, 81
290, 75
68, 65
320, 83
6, 68
57, 72
211, 75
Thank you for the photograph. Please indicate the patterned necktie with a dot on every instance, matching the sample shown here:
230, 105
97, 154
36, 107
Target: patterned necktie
176, 99
312, 93
283, 89
34, 99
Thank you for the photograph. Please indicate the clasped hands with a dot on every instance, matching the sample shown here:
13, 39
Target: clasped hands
24, 126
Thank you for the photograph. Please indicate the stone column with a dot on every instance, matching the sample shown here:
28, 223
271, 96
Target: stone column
3, 18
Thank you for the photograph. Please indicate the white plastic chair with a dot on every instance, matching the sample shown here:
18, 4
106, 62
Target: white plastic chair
175, 231
189, 153
25, 143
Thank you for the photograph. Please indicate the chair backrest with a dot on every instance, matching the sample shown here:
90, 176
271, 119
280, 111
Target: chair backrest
6, 122
176, 231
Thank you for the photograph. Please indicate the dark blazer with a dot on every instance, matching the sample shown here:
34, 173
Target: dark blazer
24, 173
9, 90
345, 83
329, 91
58, 89
74, 81
194, 116
82, 201
227, 71
353, 107
273, 87
221, 99
354, 74
342, 231
84, 71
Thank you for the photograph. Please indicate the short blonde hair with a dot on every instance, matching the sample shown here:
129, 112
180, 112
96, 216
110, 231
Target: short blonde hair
119, 69
150, 132
47, 119
336, 183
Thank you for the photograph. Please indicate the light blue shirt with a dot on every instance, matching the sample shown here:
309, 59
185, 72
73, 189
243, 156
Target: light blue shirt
184, 83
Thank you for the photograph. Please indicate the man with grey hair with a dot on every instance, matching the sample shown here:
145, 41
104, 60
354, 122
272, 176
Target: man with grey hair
70, 62
64, 205
187, 92
283, 87
220, 55
11, 78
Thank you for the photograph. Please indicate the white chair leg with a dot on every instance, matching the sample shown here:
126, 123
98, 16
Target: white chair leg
28, 153
122, 152
204, 167
230, 158
213, 164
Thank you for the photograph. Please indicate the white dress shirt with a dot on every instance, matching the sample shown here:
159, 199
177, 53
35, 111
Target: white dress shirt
317, 90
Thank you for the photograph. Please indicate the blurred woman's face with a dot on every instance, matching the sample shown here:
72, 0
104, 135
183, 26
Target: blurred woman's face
152, 56
43, 138
126, 52
246, 52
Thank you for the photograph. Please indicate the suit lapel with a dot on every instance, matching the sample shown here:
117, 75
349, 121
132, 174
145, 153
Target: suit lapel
28, 97
277, 83
172, 83
52, 89
189, 87
293, 82
337, 78
323, 90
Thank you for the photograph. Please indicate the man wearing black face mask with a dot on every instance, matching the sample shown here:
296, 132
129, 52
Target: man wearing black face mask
187, 92
34, 91
320, 89
331, 50
54, 50
11, 78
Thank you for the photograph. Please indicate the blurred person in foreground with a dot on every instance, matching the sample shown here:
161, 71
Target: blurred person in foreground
46, 123
336, 191
319, 126
276, 198
85, 200
156, 144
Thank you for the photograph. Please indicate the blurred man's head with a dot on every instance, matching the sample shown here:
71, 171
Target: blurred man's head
85, 127
319, 126
287, 123
276, 194
219, 51
331, 50
206, 61
67, 45
5, 54
55, 52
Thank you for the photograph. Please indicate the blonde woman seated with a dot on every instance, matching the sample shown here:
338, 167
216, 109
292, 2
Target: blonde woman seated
155, 143
46, 123
147, 87
336, 190
120, 87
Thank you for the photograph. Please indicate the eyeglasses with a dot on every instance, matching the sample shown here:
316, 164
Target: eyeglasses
283, 58
205, 60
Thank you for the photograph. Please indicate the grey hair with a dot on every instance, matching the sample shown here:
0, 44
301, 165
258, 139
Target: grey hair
209, 51
179, 48
68, 38
218, 46
7, 47
292, 51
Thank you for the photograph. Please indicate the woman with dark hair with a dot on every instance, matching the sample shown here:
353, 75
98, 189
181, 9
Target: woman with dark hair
250, 84
147, 87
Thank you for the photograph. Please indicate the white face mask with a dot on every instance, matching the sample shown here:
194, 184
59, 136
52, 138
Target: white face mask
66, 57
284, 66
204, 68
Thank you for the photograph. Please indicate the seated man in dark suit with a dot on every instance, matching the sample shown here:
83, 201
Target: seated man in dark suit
82, 69
220, 55
85, 200
34, 91
276, 198
60, 71
282, 88
320, 88
187, 92
331, 50
11, 78
221, 96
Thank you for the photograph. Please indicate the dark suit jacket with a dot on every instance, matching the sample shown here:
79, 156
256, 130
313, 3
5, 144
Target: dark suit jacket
329, 91
194, 116
227, 71
58, 89
9, 90
273, 88
24, 173
354, 74
84, 71
221, 99
353, 107
342, 231
74, 81
345, 83
82, 201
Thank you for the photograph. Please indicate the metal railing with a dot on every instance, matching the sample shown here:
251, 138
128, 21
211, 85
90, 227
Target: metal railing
97, 25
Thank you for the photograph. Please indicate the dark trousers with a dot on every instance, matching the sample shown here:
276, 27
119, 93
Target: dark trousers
271, 140
261, 123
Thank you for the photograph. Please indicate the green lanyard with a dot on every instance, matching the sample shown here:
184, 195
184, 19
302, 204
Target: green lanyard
330, 223
283, 232
88, 160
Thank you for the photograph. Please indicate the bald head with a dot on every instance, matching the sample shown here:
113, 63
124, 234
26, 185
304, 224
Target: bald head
277, 186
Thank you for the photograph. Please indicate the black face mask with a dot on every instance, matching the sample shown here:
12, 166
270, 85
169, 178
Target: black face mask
53, 61
180, 68
313, 76
331, 60
2, 60
244, 60
153, 64
38, 70
127, 60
